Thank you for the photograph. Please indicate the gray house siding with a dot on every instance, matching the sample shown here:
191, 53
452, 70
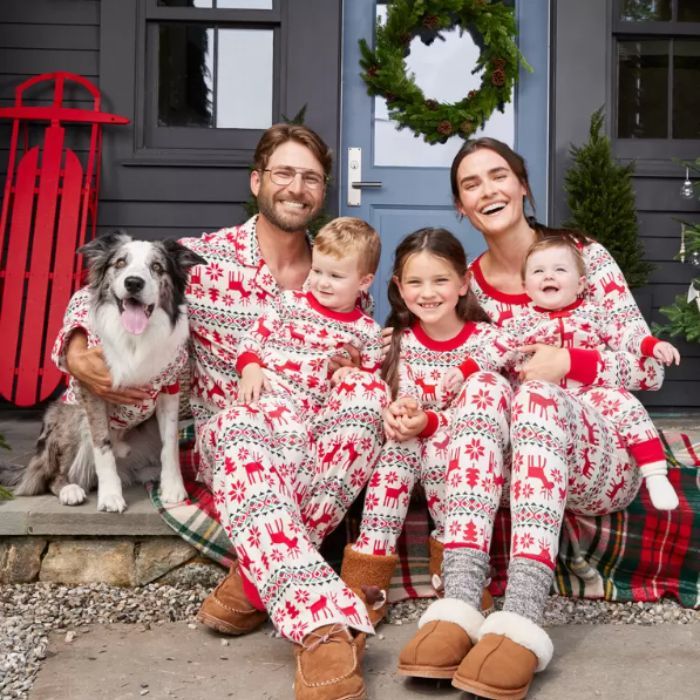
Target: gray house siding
582, 71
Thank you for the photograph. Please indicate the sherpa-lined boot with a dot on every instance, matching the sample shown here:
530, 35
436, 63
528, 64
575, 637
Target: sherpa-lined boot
437, 551
446, 632
228, 609
369, 576
329, 665
510, 650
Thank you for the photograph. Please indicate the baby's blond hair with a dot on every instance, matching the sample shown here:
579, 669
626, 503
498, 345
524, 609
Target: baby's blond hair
348, 235
557, 241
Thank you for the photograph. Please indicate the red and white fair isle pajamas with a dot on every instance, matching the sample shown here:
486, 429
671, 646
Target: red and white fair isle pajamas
565, 453
587, 326
259, 510
432, 456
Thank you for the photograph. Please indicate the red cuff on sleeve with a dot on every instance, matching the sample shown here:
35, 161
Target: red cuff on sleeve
247, 358
170, 389
584, 365
431, 426
468, 367
649, 451
648, 345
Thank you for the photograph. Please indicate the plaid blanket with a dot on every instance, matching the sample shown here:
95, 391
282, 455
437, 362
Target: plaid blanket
639, 554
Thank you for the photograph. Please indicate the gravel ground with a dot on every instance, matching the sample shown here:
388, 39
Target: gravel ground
28, 612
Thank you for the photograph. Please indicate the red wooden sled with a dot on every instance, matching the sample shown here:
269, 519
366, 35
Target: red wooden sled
49, 204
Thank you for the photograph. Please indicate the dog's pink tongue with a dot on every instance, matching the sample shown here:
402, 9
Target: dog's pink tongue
134, 319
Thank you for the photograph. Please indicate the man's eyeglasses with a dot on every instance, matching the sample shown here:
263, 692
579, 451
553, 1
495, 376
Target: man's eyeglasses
285, 176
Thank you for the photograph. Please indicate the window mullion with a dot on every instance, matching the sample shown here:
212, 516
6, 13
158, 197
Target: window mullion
215, 79
669, 90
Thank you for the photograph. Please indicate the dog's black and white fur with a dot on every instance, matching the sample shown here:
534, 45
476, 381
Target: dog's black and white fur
137, 314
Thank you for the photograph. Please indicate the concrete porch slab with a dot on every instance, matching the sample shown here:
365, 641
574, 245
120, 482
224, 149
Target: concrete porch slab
175, 660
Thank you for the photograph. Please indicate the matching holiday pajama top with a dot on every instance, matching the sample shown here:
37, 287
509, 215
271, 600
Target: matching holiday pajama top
295, 339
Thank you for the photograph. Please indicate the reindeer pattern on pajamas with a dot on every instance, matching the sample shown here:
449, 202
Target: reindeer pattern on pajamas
431, 457
260, 509
565, 452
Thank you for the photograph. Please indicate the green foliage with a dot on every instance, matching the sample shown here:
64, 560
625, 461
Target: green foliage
602, 204
385, 72
684, 316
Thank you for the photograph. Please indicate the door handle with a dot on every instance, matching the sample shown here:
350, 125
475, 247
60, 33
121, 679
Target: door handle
355, 181
370, 185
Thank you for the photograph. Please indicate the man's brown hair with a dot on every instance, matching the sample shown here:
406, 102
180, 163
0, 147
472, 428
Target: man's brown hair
278, 134
348, 235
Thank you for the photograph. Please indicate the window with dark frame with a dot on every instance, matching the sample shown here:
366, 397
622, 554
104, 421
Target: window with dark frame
657, 60
211, 73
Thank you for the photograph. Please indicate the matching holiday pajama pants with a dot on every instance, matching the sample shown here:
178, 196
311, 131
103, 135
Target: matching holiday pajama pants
282, 480
431, 461
565, 453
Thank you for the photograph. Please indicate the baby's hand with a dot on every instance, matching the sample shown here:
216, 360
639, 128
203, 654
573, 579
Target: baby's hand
252, 384
340, 374
666, 353
452, 379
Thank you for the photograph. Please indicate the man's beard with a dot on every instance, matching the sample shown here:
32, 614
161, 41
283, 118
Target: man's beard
289, 223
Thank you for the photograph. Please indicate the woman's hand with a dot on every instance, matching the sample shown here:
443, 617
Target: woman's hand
252, 384
452, 379
89, 367
404, 419
548, 363
340, 374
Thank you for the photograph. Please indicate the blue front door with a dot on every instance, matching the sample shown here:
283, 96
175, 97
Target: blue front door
414, 189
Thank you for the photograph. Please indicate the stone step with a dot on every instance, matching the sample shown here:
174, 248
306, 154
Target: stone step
44, 515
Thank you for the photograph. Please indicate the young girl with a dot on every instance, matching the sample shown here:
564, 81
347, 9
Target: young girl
438, 326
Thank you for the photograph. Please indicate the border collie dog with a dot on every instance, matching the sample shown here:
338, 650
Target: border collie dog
134, 308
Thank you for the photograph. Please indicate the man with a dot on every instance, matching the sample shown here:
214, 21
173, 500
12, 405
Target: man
274, 529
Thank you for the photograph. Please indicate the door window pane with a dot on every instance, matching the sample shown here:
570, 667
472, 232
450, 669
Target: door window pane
393, 147
646, 10
642, 101
686, 95
216, 78
688, 11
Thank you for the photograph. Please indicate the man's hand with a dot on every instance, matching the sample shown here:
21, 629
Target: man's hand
666, 353
252, 384
88, 366
351, 359
548, 363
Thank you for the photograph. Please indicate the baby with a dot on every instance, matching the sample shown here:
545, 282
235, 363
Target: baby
290, 347
554, 277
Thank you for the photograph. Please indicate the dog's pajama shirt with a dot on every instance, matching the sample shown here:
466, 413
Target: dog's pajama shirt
565, 453
431, 456
122, 417
260, 510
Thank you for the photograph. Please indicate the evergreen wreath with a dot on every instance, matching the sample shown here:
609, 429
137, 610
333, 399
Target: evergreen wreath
384, 70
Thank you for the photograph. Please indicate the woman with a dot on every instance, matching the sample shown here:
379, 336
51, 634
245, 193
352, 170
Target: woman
564, 452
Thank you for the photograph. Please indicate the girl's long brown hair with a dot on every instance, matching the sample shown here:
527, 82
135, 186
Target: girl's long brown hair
443, 244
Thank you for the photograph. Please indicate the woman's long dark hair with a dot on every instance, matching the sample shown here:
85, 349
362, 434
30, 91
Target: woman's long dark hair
443, 244
517, 165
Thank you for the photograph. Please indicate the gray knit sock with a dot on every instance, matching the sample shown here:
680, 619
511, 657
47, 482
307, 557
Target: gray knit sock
528, 587
465, 571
